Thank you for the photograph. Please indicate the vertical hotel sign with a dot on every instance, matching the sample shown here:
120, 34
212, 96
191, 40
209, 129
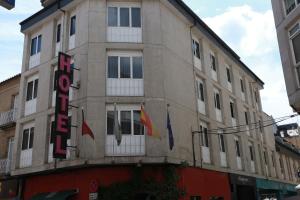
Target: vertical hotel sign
62, 128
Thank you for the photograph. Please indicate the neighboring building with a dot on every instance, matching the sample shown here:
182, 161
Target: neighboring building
9, 90
290, 132
155, 53
287, 21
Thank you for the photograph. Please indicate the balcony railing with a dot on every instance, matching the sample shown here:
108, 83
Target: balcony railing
4, 166
7, 118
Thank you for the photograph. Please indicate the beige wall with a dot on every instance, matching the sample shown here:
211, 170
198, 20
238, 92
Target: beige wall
8, 89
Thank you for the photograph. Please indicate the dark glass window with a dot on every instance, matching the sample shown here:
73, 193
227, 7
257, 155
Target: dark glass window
112, 66
29, 91
110, 122
112, 16
246, 118
73, 25
204, 136
58, 32
217, 101
31, 138
138, 127
55, 80
213, 62
52, 136
196, 48
124, 17
33, 46
228, 75
242, 85
136, 17
137, 67
237, 148
36, 86
201, 91
124, 67
290, 5
251, 152
39, 43
296, 47
222, 143
232, 109
126, 122
70, 127
25, 139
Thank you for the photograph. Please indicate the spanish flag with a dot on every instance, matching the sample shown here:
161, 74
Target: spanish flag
146, 121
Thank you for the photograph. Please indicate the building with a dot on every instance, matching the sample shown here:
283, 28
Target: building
287, 15
290, 132
129, 54
9, 90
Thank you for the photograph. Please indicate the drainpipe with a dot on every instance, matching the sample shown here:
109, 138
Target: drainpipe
196, 99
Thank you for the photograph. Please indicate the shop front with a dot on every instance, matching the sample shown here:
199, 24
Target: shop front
242, 187
268, 189
138, 183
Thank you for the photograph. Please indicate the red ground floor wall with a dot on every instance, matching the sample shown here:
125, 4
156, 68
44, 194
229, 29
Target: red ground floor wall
205, 183
197, 182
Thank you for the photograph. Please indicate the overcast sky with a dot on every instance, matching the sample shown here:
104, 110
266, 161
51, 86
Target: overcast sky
247, 26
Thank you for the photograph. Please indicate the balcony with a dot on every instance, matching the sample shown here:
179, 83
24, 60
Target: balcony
4, 166
7, 119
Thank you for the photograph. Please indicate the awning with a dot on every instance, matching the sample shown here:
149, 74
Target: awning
62, 195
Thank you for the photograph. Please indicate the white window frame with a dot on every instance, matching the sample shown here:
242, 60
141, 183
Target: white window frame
128, 5
205, 140
34, 87
127, 54
291, 37
217, 94
285, 8
37, 51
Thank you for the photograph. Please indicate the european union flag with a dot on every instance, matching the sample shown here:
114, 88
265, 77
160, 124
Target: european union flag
171, 137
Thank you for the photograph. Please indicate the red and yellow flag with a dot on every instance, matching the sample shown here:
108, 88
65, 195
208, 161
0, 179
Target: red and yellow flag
146, 121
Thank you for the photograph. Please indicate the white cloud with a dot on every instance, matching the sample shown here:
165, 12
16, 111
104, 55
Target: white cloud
252, 35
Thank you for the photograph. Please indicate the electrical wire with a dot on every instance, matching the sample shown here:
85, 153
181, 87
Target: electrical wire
223, 131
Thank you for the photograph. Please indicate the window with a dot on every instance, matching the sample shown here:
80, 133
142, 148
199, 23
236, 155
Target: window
112, 16
73, 25
27, 140
290, 5
136, 17
246, 118
295, 41
237, 147
196, 49
265, 158
129, 122
58, 33
242, 85
256, 96
222, 143
213, 62
36, 44
228, 75
124, 17
125, 67
204, 136
32, 88
251, 152
217, 101
232, 110
200, 90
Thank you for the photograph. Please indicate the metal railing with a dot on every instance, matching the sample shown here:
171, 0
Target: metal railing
4, 166
8, 117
